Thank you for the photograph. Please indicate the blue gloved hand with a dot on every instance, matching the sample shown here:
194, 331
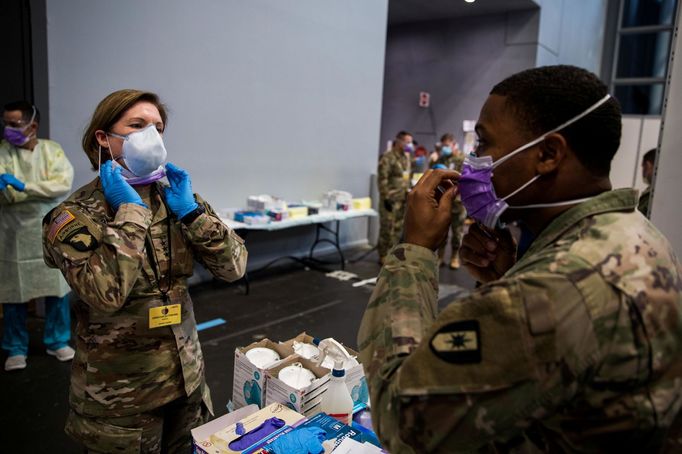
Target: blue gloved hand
440, 166
11, 180
179, 195
3, 185
306, 440
116, 189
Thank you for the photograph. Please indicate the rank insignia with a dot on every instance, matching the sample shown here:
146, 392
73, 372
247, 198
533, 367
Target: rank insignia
458, 342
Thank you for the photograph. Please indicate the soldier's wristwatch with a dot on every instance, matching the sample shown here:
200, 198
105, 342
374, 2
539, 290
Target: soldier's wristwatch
192, 215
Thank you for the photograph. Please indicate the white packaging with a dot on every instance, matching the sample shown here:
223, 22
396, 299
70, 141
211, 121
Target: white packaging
305, 400
355, 376
249, 380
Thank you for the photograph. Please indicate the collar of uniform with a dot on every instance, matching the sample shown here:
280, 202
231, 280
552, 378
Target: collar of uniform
609, 201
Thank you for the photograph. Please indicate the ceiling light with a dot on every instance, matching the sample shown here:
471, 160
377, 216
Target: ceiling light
469, 1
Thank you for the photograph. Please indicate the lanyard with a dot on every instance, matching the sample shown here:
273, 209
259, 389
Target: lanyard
153, 259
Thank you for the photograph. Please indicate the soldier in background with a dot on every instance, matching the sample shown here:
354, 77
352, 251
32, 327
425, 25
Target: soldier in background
450, 157
126, 243
573, 345
394, 182
648, 162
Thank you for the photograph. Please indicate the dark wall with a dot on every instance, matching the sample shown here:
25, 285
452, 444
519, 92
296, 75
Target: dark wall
458, 61
24, 59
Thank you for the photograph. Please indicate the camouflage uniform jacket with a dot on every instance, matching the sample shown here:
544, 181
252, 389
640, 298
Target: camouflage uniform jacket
394, 175
122, 366
576, 348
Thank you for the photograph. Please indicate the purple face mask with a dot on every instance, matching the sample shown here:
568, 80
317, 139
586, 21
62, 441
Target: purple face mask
476, 186
15, 136
139, 181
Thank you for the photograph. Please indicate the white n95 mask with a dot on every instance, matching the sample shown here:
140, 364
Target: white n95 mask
143, 151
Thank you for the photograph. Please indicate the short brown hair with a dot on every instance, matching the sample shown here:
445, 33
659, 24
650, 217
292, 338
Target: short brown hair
447, 136
109, 111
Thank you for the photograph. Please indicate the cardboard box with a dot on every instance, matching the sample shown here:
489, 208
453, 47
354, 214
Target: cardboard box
355, 376
221, 440
201, 436
363, 203
249, 382
305, 401
297, 211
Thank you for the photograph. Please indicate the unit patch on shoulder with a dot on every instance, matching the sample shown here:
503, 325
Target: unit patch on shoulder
63, 219
82, 240
458, 342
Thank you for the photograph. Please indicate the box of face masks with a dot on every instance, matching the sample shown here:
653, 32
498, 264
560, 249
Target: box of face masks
305, 400
355, 376
249, 380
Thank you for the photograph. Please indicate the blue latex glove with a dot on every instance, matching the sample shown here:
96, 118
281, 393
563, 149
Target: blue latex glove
3, 185
306, 440
11, 180
440, 166
179, 195
257, 434
116, 189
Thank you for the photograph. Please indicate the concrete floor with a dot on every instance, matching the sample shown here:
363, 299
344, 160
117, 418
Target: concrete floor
283, 302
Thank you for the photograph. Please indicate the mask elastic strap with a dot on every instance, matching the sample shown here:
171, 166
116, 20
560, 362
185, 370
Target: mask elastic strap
550, 205
524, 186
587, 111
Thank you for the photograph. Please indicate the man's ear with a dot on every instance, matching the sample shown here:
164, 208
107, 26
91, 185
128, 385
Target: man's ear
553, 150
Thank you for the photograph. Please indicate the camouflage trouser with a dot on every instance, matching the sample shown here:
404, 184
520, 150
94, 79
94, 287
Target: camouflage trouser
164, 429
457, 228
390, 226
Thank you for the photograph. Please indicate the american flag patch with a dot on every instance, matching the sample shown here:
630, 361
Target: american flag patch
59, 222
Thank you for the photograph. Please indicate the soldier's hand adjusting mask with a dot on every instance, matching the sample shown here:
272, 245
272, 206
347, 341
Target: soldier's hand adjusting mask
476, 187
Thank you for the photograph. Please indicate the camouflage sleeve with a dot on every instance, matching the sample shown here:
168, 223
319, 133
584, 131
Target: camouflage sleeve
216, 246
383, 180
100, 264
480, 371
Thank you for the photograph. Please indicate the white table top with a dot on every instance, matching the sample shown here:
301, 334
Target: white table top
323, 216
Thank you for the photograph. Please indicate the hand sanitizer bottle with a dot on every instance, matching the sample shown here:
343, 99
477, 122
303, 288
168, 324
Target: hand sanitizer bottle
336, 401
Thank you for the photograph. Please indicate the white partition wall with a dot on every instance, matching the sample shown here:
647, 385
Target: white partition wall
265, 96
275, 96
665, 207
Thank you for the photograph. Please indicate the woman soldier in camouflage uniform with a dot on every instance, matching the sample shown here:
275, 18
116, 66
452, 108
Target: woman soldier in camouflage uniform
126, 243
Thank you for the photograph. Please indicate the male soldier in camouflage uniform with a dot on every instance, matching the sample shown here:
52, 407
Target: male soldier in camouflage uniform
451, 157
394, 182
570, 346
132, 382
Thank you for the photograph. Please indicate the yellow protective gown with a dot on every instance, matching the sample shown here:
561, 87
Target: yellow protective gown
48, 175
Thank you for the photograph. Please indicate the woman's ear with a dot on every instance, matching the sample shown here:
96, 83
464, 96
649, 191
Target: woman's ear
101, 137
553, 151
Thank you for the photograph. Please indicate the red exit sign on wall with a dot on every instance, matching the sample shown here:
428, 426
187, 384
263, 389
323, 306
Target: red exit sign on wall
424, 99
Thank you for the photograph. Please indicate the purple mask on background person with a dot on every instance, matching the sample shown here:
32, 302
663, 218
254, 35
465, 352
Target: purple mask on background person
16, 136
476, 186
